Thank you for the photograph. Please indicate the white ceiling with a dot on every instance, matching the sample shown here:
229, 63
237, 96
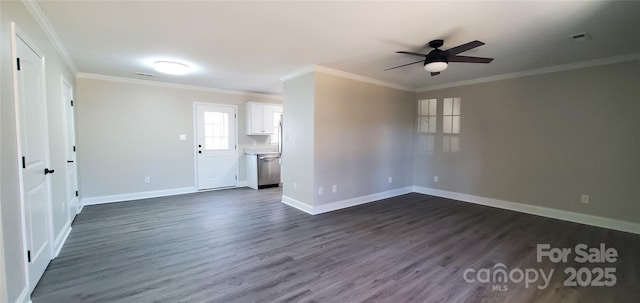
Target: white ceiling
249, 46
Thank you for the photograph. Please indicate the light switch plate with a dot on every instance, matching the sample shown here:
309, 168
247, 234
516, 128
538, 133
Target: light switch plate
183, 137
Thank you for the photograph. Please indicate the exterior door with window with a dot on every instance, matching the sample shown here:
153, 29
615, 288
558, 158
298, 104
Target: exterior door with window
216, 148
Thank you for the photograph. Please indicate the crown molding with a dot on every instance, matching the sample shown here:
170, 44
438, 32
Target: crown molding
544, 70
42, 20
298, 73
175, 85
341, 74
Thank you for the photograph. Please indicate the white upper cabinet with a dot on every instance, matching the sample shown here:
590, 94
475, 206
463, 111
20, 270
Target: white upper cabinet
260, 118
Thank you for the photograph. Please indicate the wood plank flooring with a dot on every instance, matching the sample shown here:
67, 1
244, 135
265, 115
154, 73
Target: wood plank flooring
243, 245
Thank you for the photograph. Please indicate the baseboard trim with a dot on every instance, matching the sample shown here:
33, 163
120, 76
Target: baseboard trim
297, 204
570, 216
24, 296
61, 239
137, 196
323, 208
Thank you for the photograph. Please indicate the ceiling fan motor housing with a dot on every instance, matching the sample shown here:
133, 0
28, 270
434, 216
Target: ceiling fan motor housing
436, 55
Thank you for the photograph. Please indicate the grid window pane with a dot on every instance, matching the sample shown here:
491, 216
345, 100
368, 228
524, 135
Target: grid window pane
432, 125
446, 124
216, 131
427, 115
455, 124
448, 106
456, 106
432, 106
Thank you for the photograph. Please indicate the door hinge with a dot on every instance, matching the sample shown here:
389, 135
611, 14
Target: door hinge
71, 102
24, 163
74, 148
18, 60
235, 115
76, 193
29, 256
236, 177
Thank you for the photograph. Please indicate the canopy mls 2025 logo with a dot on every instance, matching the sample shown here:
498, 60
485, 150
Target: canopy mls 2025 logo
500, 276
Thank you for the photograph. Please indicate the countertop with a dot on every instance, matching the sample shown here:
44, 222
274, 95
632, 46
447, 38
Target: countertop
255, 151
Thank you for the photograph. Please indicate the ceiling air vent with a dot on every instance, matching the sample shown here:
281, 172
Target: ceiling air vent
580, 36
143, 74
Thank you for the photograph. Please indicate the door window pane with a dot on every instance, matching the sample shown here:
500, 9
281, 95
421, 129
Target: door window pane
216, 131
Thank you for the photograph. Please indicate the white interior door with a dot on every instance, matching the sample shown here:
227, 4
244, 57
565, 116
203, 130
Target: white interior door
70, 134
34, 152
217, 160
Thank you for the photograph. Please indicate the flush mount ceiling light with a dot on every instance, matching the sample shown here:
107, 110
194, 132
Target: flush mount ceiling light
435, 67
170, 67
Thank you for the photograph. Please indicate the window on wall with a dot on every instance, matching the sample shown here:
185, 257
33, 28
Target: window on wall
273, 139
451, 125
427, 110
216, 131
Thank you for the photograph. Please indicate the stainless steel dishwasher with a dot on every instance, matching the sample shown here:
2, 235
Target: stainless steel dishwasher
268, 170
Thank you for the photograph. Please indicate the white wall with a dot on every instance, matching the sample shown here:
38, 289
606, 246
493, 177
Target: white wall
545, 140
128, 130
298, 143
363, 135
14, 252
347, 133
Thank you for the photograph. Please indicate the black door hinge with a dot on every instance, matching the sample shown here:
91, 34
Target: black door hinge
18, 59
29, 256
24, 163
74, 148
71, 102
76, 193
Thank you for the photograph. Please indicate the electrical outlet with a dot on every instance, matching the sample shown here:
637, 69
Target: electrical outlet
436, 179
320, 191
390, 179
183, 137
334, 188
584, 199
147, 180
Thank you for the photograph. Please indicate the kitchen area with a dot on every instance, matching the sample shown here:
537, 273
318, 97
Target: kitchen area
263, 163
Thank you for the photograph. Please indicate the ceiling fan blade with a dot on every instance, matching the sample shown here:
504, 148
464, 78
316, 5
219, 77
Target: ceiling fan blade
405, 65
466, 59
435, 74
464, 47
413, 54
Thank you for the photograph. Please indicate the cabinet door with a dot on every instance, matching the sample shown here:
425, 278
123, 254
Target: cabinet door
267, 120
260, 118
255, 118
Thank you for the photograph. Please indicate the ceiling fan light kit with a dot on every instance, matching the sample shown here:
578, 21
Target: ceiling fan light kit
436, 67
438, 60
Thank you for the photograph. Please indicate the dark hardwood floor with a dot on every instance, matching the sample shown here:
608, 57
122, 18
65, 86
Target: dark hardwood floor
243, 245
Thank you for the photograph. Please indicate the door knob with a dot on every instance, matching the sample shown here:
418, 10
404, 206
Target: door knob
49, 171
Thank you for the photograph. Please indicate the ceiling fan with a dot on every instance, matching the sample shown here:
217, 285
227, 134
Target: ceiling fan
437, 60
